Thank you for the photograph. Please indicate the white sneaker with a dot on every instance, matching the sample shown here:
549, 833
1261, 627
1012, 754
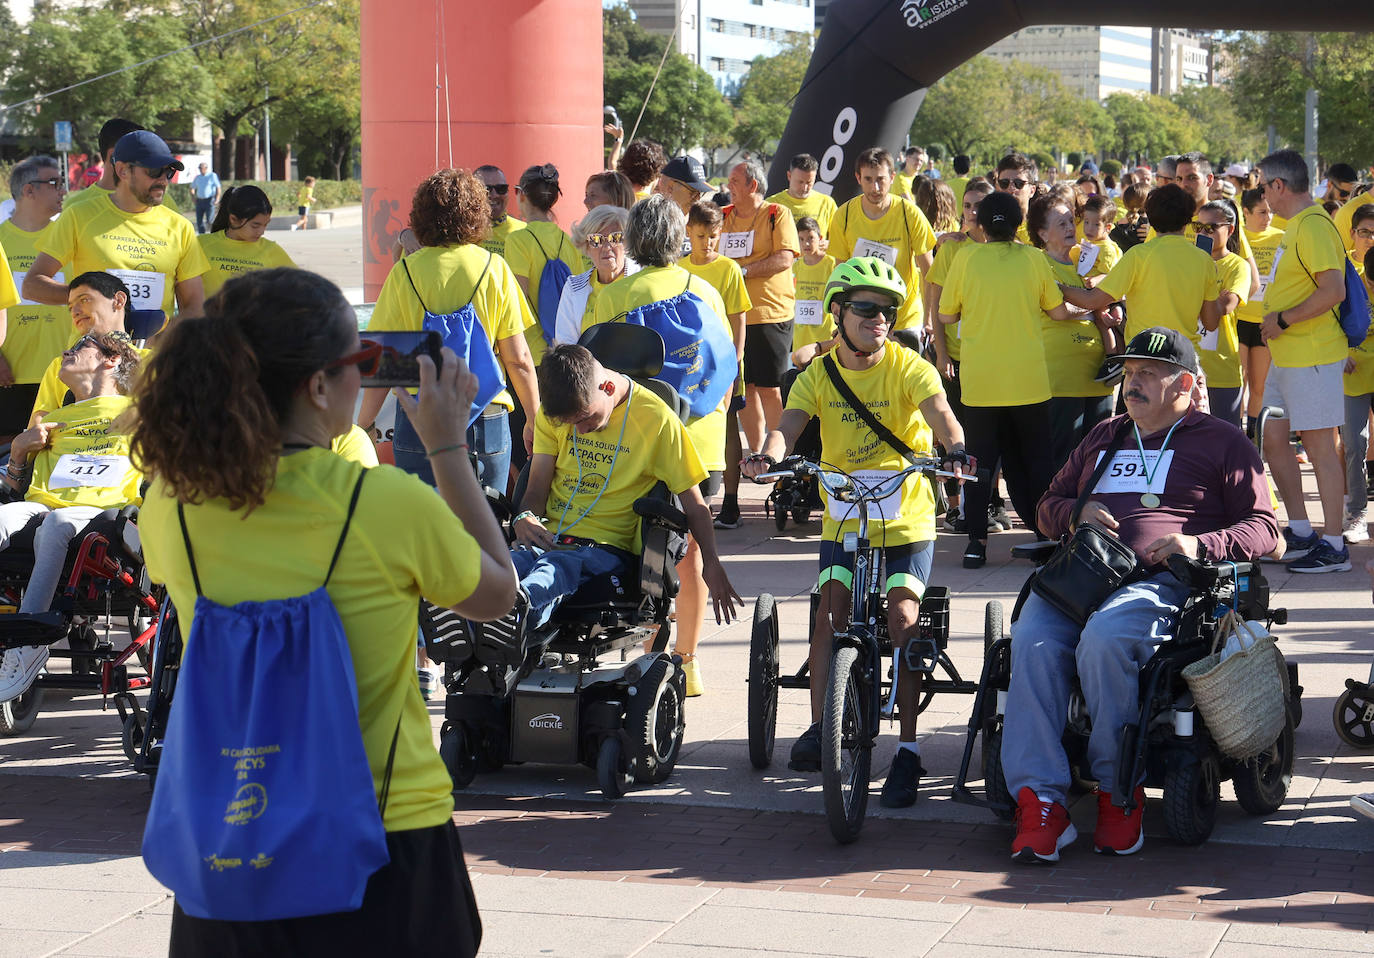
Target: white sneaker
18, 669
1364, 804
431, 681
1356, 528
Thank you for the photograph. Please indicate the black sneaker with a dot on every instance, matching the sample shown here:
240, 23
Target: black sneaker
998, 520
806, 751
954, 521
976, 555
728, 517
899, 791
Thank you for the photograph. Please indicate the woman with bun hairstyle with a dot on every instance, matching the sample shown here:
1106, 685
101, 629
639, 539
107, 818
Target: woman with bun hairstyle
530, 249
235, 244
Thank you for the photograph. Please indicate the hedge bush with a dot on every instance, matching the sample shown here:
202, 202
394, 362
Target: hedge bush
328, 193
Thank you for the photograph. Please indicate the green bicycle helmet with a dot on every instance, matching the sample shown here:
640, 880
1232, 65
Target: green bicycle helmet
864, 272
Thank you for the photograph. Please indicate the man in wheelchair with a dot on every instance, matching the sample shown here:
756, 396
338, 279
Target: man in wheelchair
601, 441
1178, 481
68, 469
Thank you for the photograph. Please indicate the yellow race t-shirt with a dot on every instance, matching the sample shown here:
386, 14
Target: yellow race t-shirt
817, 205
355, 446
1263, 245
897, 237
958, 184
230, 257
403, 542
1360, 381
650, 285
893, 390
1164, 282
1310, 246
901, 184
811, 322
500, 233
750, 239
1345, 216
945, 255
1000, 291
724, 276
447, 278
87, 461
150, 251
35, 335
1218, 352
525, 254
1073, 347
597, 476
52, 391
1190, 234
1099, 263
83, 196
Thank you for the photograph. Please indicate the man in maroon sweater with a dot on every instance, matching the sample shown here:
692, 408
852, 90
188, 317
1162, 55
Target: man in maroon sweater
1179, 480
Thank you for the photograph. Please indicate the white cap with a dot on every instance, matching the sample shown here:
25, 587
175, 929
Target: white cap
1237, 169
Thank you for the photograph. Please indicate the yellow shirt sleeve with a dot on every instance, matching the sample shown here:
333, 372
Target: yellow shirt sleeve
841, 243
355, 446
397, 309
1122, 276
9, 296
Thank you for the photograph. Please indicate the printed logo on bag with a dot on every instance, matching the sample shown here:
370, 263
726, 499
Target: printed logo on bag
549, 720
218, 864
261, 862
249, 802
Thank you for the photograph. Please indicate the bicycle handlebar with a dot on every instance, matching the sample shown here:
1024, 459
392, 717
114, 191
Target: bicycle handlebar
843, 486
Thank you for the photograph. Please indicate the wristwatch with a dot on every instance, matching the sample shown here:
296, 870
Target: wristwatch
744, 271
1283, 323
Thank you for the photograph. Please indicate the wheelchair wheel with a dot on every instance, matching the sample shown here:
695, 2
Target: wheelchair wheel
992, 625
1192, 791
1262, 783
845, 752
459, 754
131, 737
763, 682
994, 781
654, 722
1353, 717
18, 715
779, 516
611, 774
801, 516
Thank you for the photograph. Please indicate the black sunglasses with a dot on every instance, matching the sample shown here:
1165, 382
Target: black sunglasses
500, 189
1010, 184
871, 310
91, 341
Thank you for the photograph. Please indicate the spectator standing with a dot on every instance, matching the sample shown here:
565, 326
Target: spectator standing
959, 181
801, 195
1018, 175
1359, 389
913, 163
641, 163
1309, 350
1264, 238
608, 188
600, 237
530, 250
501, 223
1218, 350
206, 186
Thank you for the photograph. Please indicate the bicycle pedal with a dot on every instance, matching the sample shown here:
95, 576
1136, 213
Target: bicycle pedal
921, 655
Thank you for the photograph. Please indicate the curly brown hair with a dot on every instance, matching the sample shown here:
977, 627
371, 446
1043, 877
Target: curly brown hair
450, 208
641, 162
212, 399
935, 199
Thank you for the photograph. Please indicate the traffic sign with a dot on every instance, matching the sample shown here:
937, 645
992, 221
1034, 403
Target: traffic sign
62, 135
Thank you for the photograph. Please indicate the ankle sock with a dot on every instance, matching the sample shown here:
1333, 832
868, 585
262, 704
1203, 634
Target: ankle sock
910, 747
1335, 542
1302, 528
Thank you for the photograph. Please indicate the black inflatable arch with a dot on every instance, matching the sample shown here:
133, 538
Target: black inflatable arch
875, 58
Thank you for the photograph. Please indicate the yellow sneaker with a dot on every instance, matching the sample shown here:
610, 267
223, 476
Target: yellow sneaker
693, 673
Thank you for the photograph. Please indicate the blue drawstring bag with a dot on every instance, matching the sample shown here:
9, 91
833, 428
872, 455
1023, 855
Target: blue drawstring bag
463, 333
264, 807
699, 356
1353, 314
551, 281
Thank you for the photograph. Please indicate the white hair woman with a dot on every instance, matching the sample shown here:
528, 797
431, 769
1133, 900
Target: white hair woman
599, 236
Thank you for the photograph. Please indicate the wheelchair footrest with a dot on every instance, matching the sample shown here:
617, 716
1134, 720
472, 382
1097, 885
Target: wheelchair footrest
24, 629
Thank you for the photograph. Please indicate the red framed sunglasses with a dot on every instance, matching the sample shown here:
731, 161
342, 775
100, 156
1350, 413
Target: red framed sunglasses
368, 359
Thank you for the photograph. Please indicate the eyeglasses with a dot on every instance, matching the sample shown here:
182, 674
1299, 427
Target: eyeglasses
871, 310
55, 182
1363, 233
500, 189
91, 341
1019, 184
1209, 228
594, 240
367, 359
1269, 183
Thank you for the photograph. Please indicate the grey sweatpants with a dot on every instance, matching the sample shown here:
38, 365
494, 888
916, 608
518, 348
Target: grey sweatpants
55, 529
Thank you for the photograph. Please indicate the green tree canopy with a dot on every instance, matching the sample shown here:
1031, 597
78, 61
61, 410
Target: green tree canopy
1150, 126
1226, 135
765, 96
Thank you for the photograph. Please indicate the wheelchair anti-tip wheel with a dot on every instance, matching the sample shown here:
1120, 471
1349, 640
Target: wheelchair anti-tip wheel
1353, 716
459, 754
655, 721
1262, 782
1192, 791
18, 715
611, 772
131, 736
763, 682
845, 753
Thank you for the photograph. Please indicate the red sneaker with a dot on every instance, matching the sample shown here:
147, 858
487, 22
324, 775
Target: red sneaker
1118, 831
1041, 829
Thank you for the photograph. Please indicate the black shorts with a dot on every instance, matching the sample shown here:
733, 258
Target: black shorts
302, 210
420, 903
16, 405
711, 484
1249, 334
767, 353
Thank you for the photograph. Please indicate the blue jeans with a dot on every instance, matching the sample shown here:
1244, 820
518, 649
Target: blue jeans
550, 577
1047, 650
488, 438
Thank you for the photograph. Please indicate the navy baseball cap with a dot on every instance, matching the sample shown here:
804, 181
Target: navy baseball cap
147, 149
688, 171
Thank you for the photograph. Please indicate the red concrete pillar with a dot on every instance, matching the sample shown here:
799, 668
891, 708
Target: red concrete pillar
524, 87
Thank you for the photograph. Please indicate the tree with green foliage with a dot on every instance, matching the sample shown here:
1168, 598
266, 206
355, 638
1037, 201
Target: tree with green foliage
685, 109
765, 96
1226, 135
1150, 126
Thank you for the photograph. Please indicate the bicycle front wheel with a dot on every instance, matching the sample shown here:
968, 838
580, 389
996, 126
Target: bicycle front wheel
845, 750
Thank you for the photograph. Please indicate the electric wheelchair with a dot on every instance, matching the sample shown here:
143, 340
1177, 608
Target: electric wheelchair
1169, 745
574, 691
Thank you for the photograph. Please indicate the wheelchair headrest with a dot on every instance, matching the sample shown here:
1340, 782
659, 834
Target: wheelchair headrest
630, 350
144, 323
669, 395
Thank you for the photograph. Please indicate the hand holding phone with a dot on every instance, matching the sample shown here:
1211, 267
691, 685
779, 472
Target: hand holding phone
440, 416
1204, 243
398, 356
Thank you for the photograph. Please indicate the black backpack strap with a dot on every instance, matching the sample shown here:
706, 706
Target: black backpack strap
485, 266
856, 404
190, 556
478, 285
405, 266
1117, 439
348, 521
390, 762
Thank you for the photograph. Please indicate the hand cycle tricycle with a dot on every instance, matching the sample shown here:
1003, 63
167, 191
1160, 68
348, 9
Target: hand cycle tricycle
860, 692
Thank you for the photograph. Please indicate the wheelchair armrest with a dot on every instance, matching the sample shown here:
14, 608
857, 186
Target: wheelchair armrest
1037, 552
908, 338
1205, 575
659, 512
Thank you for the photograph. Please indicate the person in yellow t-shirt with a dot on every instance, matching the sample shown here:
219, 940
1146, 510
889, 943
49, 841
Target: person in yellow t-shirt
960, 180
69, 472
1264, 237
950, 248
265, 501
600, 237
1018, 175
801, 196
601, 442
111, 132
641, 163
305, 198
1309, 350
34, 335
813, 329
862, 298
1194, 175
877, 223
913, 165
529, 250
450, 271
704, 221
128, 233
1359, 387
235, 243
1218, 350
1344, 217
500, 224
998, 292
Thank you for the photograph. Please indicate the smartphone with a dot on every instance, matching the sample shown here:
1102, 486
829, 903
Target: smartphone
1204, 243
610, 116
398, 359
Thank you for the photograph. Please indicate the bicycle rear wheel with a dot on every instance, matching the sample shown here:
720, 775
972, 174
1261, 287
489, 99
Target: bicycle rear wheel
845, 751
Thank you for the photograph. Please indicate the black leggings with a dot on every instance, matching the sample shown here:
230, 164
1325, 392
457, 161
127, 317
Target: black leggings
1020, 437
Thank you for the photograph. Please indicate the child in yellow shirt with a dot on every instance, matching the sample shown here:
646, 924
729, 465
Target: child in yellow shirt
1098, 215
305, 198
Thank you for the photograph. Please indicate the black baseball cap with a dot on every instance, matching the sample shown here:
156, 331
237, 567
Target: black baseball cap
688, 171
147, 149
1166, 345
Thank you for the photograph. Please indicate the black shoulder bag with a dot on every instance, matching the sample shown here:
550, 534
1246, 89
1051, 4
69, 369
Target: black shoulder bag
1090, 563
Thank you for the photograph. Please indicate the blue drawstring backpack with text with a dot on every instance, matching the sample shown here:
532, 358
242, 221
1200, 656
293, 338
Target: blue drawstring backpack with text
699, 356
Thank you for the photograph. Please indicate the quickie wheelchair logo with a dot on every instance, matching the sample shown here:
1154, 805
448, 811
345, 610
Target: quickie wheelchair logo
549, 720
922, 13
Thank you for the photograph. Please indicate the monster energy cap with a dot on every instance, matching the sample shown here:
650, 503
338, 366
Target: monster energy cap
1166, 345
